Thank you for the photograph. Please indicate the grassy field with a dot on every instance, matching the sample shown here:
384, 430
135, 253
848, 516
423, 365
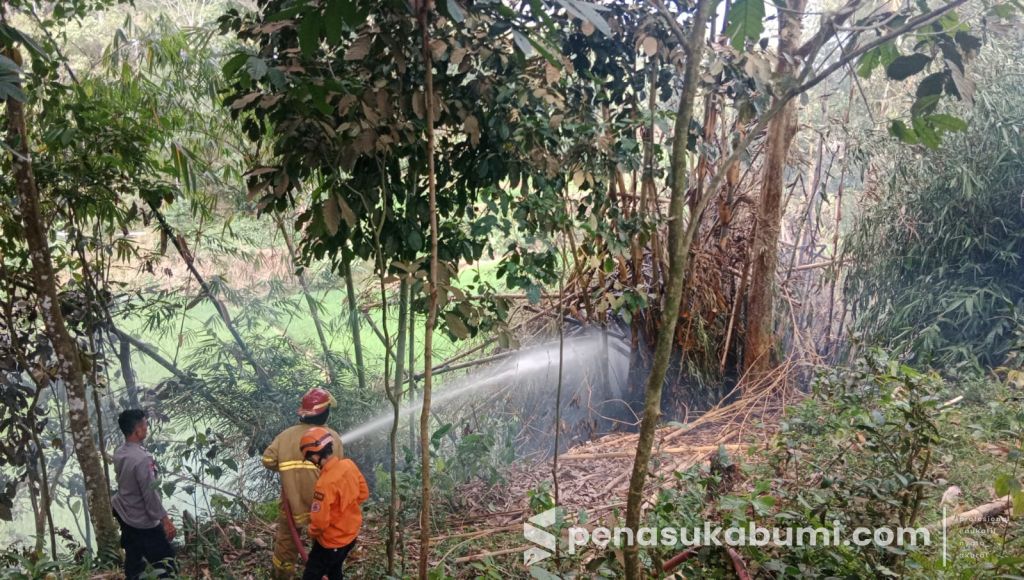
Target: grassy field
179, 343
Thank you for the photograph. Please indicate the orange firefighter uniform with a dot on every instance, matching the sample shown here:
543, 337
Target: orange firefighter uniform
298, 478
335, 516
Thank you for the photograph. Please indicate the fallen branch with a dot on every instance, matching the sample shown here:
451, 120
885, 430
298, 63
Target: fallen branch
668, 450
484, 555
951, 402
474, 536
978, 514
479, 533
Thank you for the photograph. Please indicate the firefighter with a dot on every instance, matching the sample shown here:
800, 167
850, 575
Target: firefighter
335, 516
298, 477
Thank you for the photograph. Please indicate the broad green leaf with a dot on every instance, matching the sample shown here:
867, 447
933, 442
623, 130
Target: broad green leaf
931, 84
435, 438
415, 240
456, 325
336, 14
904, 67
234, 64
947, 123
926, 134
880, 55
1006, 484
746, 22
309, 33
256, 67
900, 130
924, 105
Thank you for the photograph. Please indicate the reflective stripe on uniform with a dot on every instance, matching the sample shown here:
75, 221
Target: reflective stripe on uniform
281, 565
287, 465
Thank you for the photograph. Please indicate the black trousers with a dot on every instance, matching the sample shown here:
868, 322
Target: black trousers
326, 562
146, 546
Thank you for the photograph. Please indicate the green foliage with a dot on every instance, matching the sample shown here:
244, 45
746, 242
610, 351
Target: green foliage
746, 22
864, 451
947, 49
935, 264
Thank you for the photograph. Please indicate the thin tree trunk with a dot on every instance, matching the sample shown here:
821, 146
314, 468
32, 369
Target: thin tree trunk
558, 389
396, 403
124, 355
679, 245
37, 510
758, 355
353, 321
45, 500
411, 366
835, 237
314, 312
425, 8
70, 368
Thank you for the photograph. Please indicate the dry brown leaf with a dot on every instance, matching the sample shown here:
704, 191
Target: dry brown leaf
437, 48
346, 213
552, 73
359, 49
345, 103
417, 105
245, 100
472, 128
332, 218
370, 114
457, 55
650, 45
579, 178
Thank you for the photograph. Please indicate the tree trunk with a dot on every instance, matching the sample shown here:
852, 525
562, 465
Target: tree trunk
124, 355
411, 366
314, 312
679, 245
758, 353
70, 367
396, 404
428, 337
353, 321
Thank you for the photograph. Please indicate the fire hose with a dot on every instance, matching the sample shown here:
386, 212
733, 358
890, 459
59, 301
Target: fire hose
734, 557
287, 507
